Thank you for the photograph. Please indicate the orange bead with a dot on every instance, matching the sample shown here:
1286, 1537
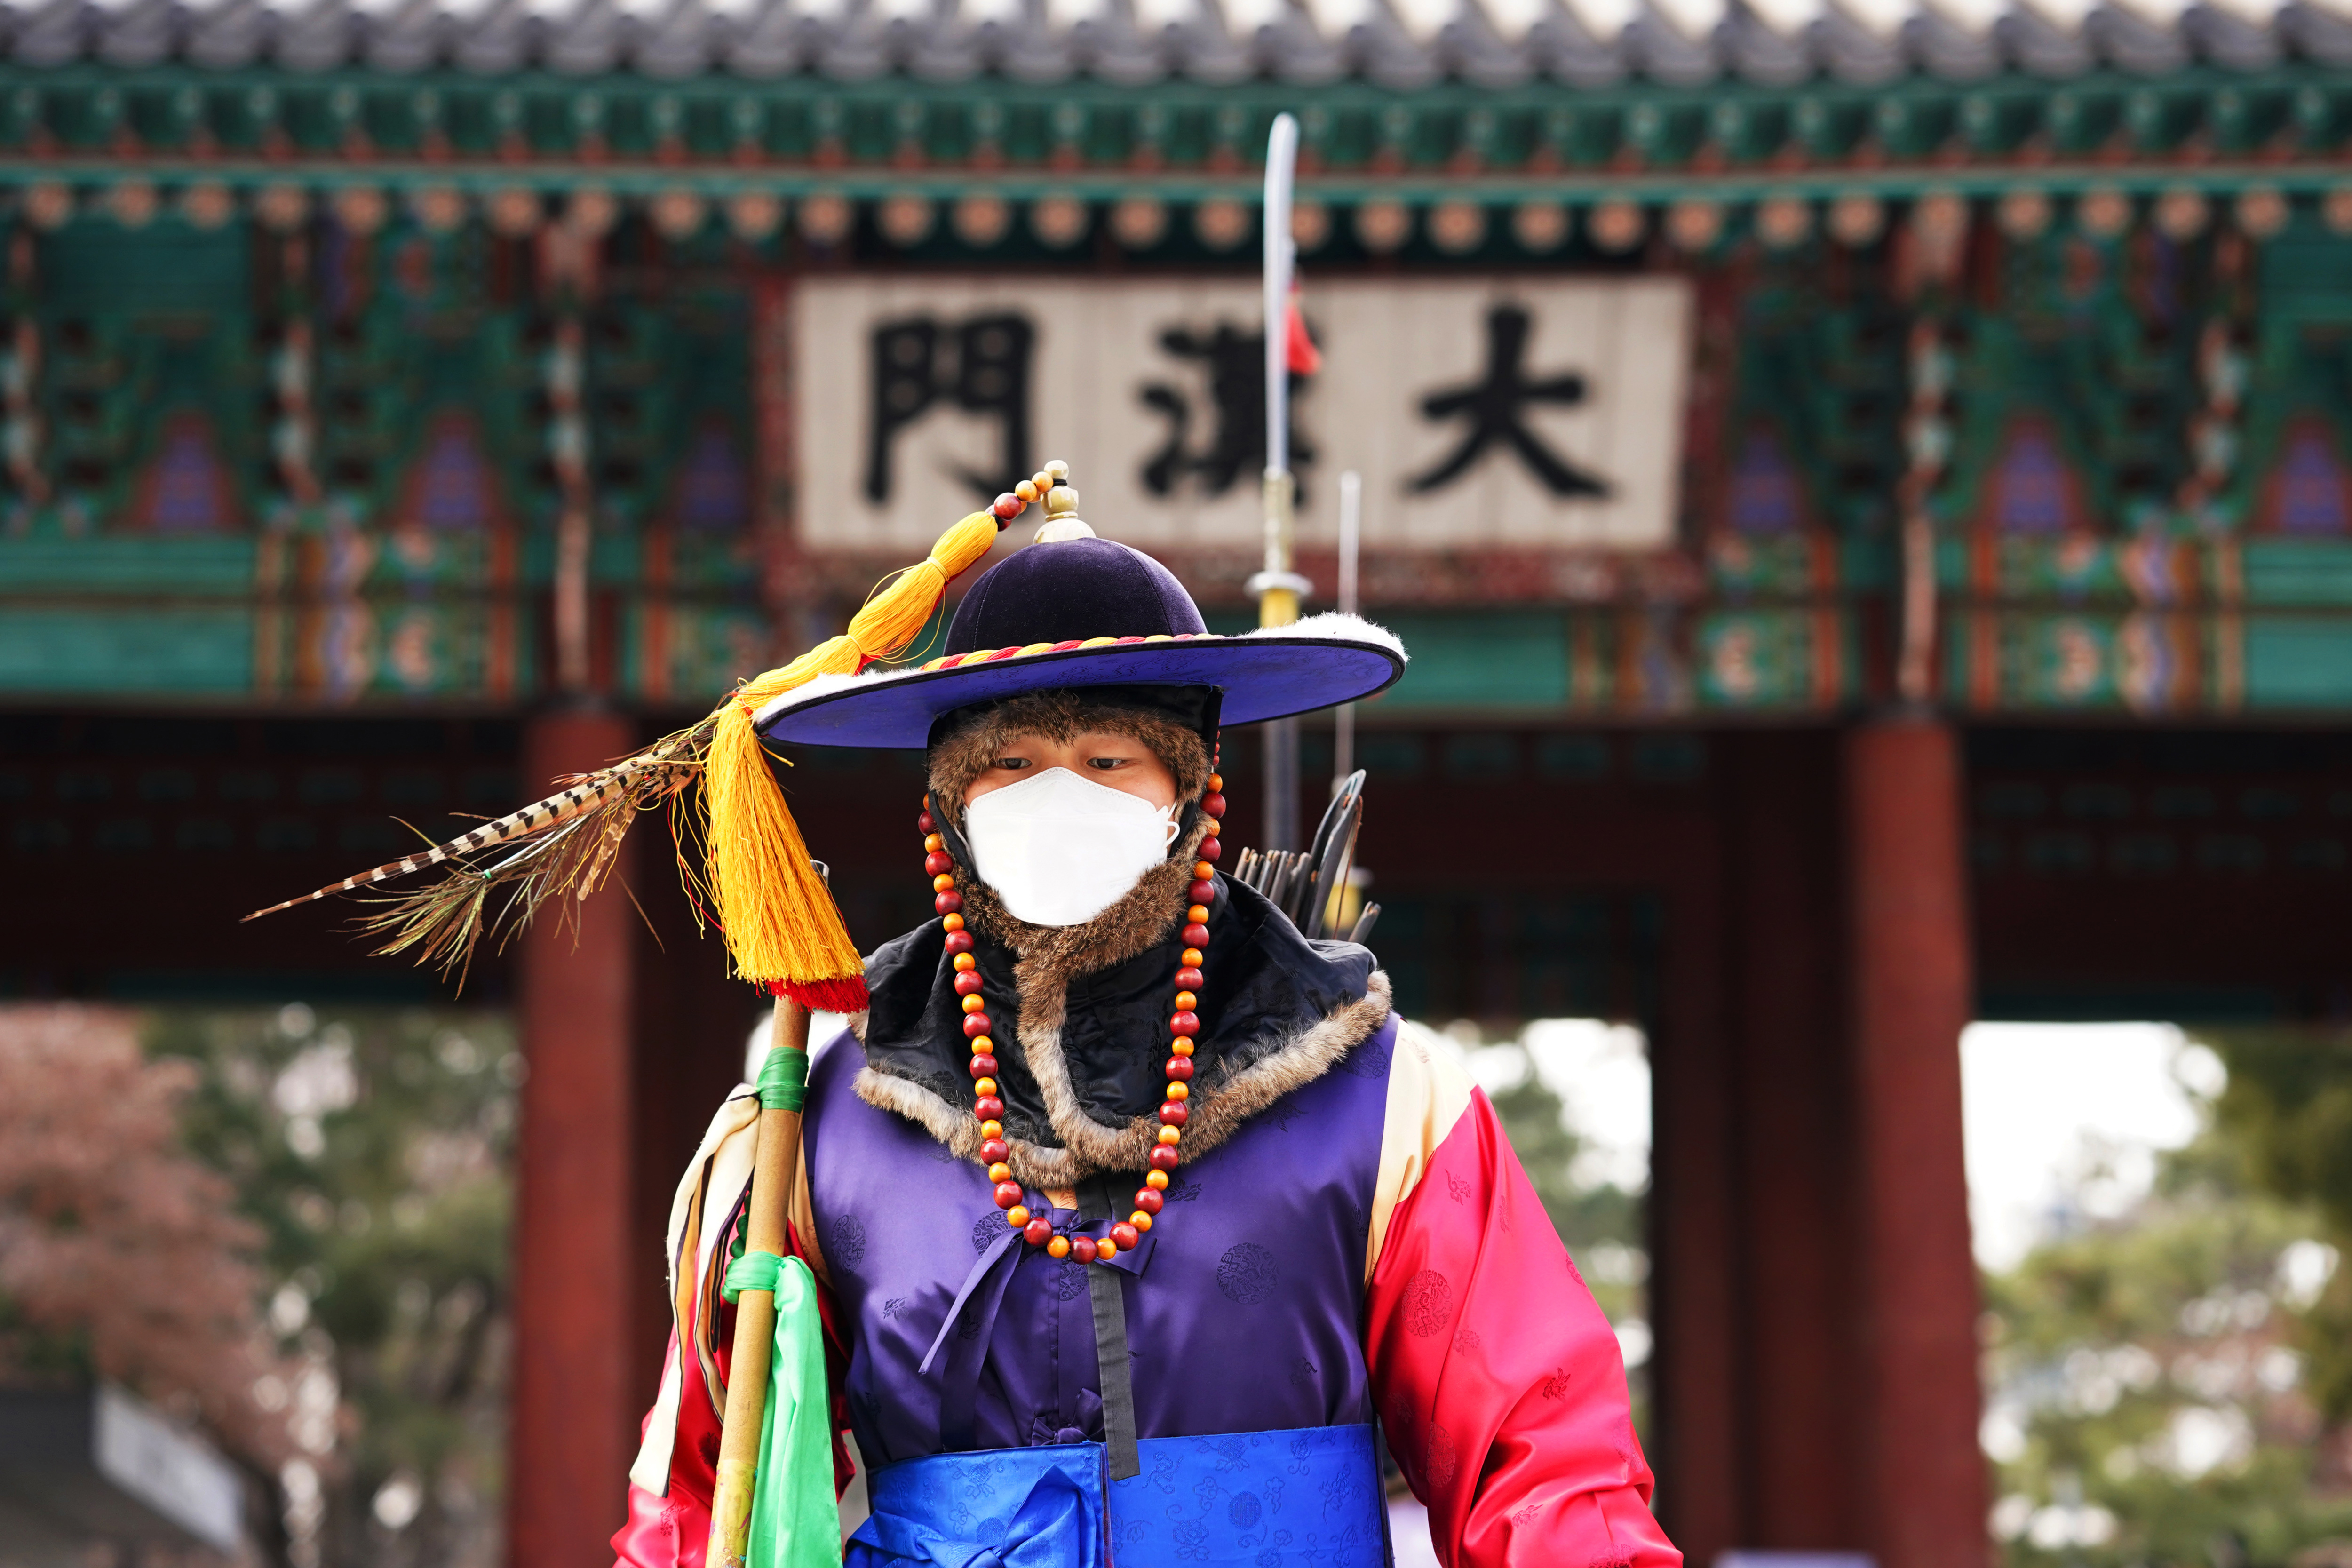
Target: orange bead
1198, 914
1016, 1217
1026, 489
1104, 1250
933, 843
1216, 783
1058, 1247
1180, 1090
944, 882
965, 963
1202, 872
992, 1130
1171, 1135
954, 923
1186, 1001
988, 1085
1139, 1220
1156, 1179
1192, 958
999, 1172
1180, 1046
975, 1004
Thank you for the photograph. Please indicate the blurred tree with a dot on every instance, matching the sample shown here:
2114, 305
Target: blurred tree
2289, 1108
2147, 1401
121, 1257
371, 1148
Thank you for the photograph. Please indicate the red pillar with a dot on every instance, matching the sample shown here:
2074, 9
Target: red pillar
1794, 1143
1911, 999
1695, 1298
572, 1426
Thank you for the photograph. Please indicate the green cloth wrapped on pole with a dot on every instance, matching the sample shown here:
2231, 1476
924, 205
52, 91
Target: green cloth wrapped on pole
796, 1522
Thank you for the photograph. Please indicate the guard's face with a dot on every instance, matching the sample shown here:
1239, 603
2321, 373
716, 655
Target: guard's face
1116, 761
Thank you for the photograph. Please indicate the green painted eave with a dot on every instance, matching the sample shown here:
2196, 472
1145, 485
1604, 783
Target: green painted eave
2200, 127
119, 564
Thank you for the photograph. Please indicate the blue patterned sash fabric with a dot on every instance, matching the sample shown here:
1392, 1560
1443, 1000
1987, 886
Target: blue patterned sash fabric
1310, 1495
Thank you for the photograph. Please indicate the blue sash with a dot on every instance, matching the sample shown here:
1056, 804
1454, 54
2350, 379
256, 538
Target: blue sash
1237, 1500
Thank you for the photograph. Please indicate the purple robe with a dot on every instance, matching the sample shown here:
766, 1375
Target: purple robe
1243, 1303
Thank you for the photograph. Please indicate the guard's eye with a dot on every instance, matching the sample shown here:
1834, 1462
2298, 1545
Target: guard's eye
1010, 765
1105, 763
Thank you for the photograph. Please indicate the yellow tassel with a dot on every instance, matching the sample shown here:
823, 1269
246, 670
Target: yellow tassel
781, 925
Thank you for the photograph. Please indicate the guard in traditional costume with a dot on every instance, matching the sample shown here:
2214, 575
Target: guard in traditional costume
1129, 1208
1122, 1209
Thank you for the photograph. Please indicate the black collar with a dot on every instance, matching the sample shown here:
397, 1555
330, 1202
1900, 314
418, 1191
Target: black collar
1264, 987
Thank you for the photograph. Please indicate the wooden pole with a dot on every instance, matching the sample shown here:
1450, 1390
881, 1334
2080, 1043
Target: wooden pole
774, 1163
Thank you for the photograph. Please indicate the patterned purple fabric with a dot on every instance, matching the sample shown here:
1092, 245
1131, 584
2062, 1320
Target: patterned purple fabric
1243, 1306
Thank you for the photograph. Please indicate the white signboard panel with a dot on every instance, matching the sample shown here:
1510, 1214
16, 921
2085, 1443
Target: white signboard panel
1489, 412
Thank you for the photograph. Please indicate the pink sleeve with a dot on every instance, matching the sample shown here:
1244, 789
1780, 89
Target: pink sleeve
670, 1532
1498, 1379
661, 1532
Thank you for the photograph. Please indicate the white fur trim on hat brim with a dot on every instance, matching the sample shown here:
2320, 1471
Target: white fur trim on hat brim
1273, 672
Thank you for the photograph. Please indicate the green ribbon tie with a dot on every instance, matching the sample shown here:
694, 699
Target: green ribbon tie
796, 1522
751, 1271
783, 1079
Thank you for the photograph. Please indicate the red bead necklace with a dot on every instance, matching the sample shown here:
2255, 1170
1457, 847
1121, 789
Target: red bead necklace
989, 1103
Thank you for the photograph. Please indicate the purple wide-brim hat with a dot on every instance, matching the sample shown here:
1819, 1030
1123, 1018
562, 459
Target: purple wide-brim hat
1075, 613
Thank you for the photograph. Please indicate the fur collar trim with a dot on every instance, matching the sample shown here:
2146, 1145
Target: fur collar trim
1088, 1147
1082, 1080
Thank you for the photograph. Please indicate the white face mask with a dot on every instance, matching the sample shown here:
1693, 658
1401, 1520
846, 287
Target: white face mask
1059, 849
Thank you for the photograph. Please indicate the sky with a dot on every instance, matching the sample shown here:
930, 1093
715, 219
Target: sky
1601, 1073
2063, 1121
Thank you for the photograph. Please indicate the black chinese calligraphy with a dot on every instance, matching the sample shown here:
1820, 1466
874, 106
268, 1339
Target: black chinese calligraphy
1495, 409
1234, 362
979, 365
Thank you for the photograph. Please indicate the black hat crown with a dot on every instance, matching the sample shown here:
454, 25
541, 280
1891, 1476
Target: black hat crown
1068, 590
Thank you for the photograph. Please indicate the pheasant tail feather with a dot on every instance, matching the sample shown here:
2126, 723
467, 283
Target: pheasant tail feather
561, 806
